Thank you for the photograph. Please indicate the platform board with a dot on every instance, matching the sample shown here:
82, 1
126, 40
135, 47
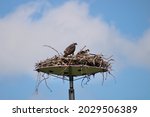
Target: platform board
71, 70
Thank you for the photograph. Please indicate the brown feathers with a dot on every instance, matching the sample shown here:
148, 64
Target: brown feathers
70, 49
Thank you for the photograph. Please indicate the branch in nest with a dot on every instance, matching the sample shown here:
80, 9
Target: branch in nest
40, 81
52, 48
86, 83
82, 49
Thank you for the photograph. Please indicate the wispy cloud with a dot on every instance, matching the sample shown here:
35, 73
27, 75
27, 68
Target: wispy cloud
22, 35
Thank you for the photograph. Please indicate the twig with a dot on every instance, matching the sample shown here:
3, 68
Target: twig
103, 79
40, 81
82, 49
52, 48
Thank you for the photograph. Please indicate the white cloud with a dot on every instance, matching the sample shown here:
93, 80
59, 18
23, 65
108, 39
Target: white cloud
21, 38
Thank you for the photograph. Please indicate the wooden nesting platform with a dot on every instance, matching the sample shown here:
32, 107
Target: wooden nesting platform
71, 70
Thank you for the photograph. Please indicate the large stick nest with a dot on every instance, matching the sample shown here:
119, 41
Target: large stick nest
82, 58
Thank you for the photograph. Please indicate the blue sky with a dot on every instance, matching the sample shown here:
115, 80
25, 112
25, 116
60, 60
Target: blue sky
114, 27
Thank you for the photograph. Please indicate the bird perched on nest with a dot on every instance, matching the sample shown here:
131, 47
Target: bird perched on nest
82, 52
70, 50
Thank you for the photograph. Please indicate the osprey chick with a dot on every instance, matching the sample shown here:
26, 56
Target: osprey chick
83, 52
70, 49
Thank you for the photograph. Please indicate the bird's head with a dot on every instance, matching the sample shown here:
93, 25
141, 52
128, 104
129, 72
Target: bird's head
75, 44
87, 50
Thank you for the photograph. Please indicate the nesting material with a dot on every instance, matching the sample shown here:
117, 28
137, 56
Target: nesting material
83, 63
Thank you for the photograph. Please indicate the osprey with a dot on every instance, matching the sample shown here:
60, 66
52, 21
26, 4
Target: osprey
70, 49
83, 52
